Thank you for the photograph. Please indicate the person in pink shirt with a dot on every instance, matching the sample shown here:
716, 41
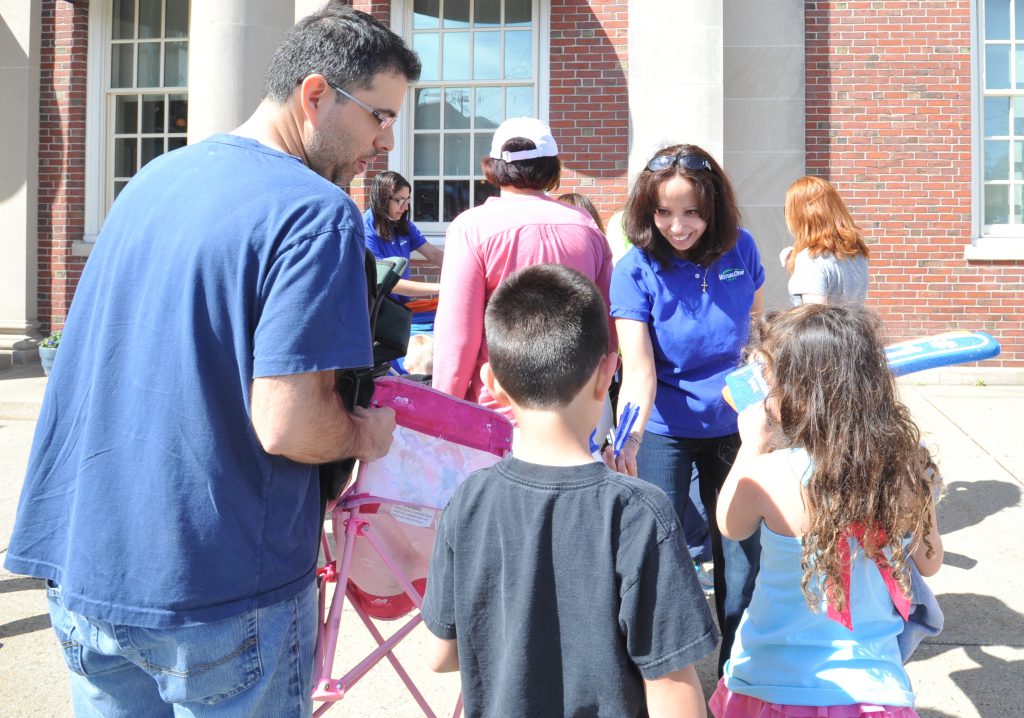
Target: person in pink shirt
519, 228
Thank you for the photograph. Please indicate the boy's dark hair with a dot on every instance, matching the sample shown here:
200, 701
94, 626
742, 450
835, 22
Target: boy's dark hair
541, 173
384, 185
346, 46
717, 207
546, 329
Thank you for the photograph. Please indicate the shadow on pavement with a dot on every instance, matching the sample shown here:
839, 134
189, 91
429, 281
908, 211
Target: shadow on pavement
974, 622
24, 625
10, 585
967, 503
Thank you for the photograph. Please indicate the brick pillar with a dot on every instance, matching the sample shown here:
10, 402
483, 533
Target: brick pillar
62, 98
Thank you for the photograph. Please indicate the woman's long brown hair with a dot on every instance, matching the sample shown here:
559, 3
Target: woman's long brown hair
832, 394
819, 221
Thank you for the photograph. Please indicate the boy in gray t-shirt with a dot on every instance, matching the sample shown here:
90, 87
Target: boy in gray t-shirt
558, 587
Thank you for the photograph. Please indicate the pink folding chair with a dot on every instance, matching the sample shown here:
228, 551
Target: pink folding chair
384, 524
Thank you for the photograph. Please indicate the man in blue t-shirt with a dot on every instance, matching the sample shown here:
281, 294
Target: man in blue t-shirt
171, 499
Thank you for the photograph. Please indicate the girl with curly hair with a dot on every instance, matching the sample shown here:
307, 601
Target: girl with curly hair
832, 470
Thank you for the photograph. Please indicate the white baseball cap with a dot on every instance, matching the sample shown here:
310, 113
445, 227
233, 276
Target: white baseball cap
528, 128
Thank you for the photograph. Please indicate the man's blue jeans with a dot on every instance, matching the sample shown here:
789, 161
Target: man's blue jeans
666, 462
257, 664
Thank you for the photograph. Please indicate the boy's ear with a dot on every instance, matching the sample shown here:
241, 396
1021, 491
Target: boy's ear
605, 373
494, 388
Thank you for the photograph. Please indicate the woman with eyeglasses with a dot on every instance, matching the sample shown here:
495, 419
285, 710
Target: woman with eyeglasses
390, 233
828, 263
682, 299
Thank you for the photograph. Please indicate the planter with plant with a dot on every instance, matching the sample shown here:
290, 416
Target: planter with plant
48, 351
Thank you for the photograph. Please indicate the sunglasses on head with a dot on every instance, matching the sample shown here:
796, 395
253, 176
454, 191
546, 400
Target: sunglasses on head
689, 162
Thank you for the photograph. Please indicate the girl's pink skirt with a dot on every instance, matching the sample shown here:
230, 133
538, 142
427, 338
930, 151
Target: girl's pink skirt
726, 704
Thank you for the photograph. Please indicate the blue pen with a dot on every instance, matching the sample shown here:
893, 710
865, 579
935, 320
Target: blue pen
626, 423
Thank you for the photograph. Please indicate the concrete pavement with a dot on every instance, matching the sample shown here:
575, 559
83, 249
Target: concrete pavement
972, 670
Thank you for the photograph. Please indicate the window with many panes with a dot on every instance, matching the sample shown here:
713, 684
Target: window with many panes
147, 96
479, 68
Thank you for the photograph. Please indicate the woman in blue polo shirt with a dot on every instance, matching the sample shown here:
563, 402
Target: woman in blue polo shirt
390, 233
682, 299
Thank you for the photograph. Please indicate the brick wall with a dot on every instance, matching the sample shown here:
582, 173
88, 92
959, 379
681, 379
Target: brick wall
64, 36
589, 103
889, 123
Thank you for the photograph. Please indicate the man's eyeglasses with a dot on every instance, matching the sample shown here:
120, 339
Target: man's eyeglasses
690, 162
385, 120
400, 201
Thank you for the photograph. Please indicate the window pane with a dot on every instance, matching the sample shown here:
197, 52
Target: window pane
122, 60
486, 13
177, 18
482, 189
997, 116
124, 20
456, 56
425, 201
519, 101
457, 109
488, 107
428, 109
425, 14
149, 65
176, 64
481, 148
1018, 56
152, 147
1018, 201
997, 204
426, 155
456, 13
178, 110
126, 109
1018, 113
456, 198
118, 186
152, 114
486, 55
1018, 160
456, 154
149, 18
174, 143
425, 45
518, 55
997, 160
997, 19
997, 67
124, 157
518, 12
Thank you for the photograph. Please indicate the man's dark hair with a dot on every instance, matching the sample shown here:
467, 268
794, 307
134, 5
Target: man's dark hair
541, 173
716, 206
547, 329
346, 46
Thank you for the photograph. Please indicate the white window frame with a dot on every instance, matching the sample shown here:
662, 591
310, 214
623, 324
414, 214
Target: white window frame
401, 158
99, 147
990, 242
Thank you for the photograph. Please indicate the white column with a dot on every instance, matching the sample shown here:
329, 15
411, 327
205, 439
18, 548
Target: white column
231, 43
19, 145
675, 77
764, 122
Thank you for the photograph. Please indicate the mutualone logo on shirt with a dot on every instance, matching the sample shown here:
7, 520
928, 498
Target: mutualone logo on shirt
728, 275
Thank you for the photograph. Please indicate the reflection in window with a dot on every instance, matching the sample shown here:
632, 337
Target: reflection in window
479, 68
147, 103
